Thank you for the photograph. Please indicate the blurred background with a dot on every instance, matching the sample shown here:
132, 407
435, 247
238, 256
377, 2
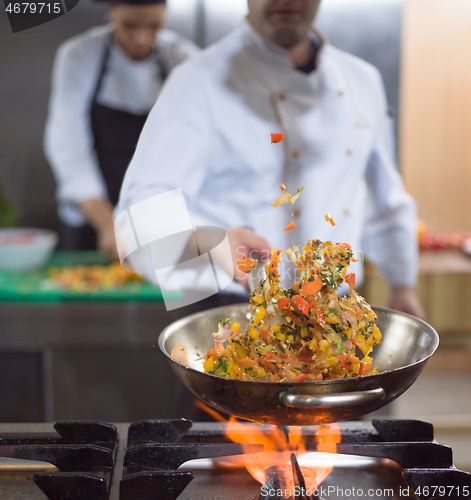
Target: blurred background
27, 57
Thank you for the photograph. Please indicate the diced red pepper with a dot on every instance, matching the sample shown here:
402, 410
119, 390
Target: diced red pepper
305, 354
300, 378
320, 317
276, 260
350, 280
300, 305
298, 320
343, 360
268, 358
283, 304
276, 137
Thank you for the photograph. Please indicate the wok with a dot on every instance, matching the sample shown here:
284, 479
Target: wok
406, 346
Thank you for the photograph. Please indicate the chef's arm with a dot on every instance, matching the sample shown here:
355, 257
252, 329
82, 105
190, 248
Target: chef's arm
99, 214
242, 243
68, 138
405, 299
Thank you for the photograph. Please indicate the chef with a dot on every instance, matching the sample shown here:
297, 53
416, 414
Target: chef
104, 83
208, 138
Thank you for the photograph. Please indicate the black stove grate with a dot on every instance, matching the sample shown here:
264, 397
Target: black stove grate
96, 462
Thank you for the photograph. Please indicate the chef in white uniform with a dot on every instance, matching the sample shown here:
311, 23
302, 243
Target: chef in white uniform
105, 81
209, 136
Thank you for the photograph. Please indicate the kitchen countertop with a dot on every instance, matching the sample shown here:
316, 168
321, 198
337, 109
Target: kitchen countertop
443, 288
36, 285
451, 260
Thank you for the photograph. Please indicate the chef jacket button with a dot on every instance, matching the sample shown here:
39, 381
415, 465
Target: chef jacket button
282, 96
296, 153
296, 212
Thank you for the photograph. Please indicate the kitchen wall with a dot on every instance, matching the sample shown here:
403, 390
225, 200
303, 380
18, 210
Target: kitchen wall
26, 62
436, 97
368, 28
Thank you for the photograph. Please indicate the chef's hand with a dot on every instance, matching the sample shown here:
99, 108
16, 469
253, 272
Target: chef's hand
245, 243
404, 299
99, 214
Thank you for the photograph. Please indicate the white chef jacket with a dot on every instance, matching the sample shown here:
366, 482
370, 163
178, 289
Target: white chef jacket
128, 85
209, 135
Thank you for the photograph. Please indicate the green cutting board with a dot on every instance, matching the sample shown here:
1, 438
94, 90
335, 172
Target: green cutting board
34, 285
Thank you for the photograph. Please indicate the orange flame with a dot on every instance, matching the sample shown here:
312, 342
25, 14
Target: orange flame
279, 443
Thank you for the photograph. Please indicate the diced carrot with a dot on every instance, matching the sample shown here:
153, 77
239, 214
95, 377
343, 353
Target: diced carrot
291, 225
328, 218
300, 378
350, 280
312, 287
282, 187
246, 264
365, 367
284, 198
358, 313
267, 359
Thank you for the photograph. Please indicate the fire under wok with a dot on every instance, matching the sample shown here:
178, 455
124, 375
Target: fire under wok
406, 346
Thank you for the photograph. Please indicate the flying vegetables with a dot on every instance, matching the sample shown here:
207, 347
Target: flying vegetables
307, 332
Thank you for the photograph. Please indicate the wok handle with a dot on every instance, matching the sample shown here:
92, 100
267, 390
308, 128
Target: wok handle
332, 400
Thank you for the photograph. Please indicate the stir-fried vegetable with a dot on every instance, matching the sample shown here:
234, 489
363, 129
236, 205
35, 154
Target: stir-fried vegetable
246, 264
305, 333
83, 278
276, 137
291, 225
328, 218
284, 198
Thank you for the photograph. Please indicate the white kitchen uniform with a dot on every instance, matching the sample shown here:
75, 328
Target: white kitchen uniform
126, 85
209, 135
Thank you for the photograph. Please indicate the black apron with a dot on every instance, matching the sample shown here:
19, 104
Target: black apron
115, 135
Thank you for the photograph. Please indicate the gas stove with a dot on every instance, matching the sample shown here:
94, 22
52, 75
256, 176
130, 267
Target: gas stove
170, 459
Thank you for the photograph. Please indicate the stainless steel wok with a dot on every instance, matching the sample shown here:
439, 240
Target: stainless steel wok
406, 346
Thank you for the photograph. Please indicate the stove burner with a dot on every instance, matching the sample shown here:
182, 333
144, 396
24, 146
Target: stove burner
278, 487
101, 461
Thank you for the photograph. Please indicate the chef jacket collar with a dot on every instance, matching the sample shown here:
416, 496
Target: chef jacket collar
279, 55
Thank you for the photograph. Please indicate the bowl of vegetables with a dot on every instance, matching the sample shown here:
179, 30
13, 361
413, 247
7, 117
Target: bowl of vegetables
24, 249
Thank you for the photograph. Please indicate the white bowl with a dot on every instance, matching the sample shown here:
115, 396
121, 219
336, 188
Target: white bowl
26, 248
